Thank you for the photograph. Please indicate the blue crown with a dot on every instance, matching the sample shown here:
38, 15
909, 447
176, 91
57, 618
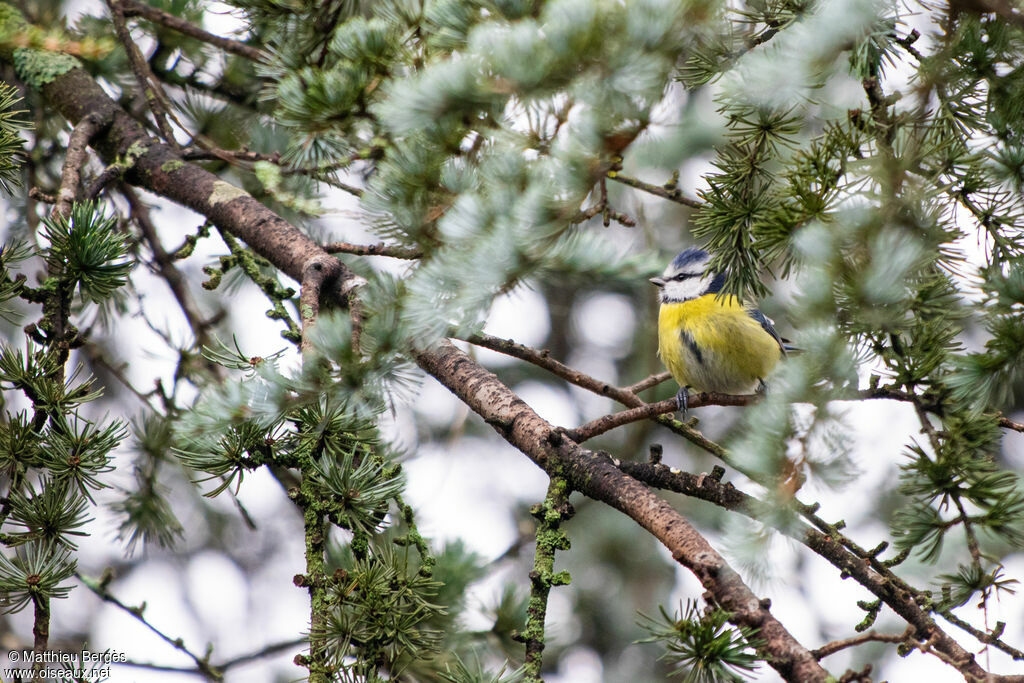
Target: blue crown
688, 256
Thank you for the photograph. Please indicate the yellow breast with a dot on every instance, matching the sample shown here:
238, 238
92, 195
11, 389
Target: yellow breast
712, 344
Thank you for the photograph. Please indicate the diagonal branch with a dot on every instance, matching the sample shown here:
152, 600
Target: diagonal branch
149, 88
873, 575
869, 637
379, 249
202, 663
134, 8
598, 478
170, 273
155, 166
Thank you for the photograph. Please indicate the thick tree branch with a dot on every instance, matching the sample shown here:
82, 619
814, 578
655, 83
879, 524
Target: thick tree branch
158, 168
598, 478
873, 575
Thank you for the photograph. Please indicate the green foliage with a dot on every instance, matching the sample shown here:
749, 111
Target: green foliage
462, 673
968, 581
54, 459
383, 606
35, 573
362, 487
51, 516
39, 67
701, 646
11, 152
88, 250
10, 287
144, 510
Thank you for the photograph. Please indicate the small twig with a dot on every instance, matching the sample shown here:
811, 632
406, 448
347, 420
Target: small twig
40, 631
622, 395
379, 249
95, 355
603, 208
674, 194
868, 637
202, 665
208, 151
648, 382
268, 651
982, 636
907, 397
70, 172
152, 91
907, 42
611, 421
1010, 424
40, 196
132, 8
345, 187
972, 538
176, 281
108, 175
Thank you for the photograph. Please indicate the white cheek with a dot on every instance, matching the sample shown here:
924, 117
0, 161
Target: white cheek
684, 289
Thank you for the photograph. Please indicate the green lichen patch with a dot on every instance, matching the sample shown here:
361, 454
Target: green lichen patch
137, 149
225, 192
39, 67
172, 166
12, 22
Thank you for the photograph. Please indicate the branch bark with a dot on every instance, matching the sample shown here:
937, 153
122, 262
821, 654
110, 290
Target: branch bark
155, 166
872, 575
132, 8
597, 477
70, 172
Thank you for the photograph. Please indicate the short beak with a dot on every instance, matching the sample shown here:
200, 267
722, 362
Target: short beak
657, 281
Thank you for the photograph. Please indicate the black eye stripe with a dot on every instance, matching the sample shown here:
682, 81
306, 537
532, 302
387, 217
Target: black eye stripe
683, 276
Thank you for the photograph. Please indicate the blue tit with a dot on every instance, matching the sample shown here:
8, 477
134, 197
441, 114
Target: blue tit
710, 342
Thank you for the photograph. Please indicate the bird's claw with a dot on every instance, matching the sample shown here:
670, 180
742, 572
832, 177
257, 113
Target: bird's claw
682, 398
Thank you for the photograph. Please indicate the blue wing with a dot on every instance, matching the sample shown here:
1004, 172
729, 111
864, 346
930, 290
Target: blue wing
766, 325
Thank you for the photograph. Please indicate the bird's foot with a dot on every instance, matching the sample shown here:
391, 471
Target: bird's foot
762, 388
682, 398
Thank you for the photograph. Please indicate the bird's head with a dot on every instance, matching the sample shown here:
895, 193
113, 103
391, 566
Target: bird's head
687, 277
